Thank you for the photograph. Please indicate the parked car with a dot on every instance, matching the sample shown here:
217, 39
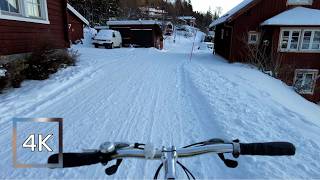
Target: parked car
108, 38
208, 40
210, 45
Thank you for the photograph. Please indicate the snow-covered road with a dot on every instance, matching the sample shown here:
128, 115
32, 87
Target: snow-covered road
147, 95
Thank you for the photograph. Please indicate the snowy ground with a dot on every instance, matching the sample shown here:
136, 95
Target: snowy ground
147, 95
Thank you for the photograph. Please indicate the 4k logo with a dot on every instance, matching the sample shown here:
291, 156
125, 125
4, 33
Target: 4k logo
34, 140
42, 143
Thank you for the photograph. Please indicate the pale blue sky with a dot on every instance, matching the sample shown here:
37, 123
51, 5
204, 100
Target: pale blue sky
203, 5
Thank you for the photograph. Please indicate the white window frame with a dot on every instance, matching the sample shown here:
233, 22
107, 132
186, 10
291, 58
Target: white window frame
300, 41
288, 49
22, 15
311, 40
314, 73
14, 13
299, 2
253, 33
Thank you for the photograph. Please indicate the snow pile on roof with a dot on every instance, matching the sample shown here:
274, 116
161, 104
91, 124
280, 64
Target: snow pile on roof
230, 13
75, 12
133, 22
2, 72
296, 16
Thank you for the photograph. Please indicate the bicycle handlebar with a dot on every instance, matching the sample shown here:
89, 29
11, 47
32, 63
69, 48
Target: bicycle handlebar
262, 149
79, 159
268, 149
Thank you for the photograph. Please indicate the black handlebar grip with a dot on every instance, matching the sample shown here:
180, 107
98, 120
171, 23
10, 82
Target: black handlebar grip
78, 159
268, 149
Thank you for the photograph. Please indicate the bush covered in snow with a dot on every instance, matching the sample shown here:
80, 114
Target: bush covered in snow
14, 73
46, 61
39, 65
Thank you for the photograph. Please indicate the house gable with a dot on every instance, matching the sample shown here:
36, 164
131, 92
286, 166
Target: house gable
77, 14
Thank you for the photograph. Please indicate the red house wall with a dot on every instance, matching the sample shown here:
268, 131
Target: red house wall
76, 28
297, 61
251, 20
234, 48
21, 37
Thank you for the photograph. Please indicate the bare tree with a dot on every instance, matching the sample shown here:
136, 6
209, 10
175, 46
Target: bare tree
262, 55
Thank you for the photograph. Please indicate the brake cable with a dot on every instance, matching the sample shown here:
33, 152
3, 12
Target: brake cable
158, 171
186, 170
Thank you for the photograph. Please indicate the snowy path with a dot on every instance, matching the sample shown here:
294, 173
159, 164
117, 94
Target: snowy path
146, 95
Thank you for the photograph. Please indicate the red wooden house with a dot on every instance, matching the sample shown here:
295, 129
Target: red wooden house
76, 23
289, 30
26, 25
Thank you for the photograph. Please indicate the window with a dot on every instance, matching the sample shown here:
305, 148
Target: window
253, 37
300, 40
33, 8
10, 6
290, 40
24, 10
305, 80
299, 2
311, 40
222, 33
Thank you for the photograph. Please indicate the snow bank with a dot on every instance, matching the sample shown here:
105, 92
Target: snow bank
89, 33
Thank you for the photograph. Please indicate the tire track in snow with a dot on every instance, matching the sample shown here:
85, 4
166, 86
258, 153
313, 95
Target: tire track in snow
232, 106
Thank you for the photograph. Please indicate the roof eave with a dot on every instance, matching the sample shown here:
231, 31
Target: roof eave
76, 13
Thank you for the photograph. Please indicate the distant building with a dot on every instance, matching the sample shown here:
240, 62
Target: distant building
288, 30
76, 22
188, 20
153, 13
139, 33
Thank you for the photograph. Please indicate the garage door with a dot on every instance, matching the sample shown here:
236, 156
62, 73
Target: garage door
142, 37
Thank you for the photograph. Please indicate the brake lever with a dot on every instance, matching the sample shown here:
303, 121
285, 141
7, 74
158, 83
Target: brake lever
114, 168
228, 162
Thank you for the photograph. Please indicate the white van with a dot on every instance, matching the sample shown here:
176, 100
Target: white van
107, 38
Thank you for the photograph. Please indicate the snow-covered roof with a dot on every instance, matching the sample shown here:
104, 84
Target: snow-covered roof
75, 12
297, 16
230, 13
133, 22
186, 17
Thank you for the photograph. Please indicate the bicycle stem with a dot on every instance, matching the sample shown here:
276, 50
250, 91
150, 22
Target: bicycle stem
169, 160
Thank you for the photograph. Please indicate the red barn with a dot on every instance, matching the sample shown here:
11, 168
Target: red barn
288, 31
76, 22
26, 26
